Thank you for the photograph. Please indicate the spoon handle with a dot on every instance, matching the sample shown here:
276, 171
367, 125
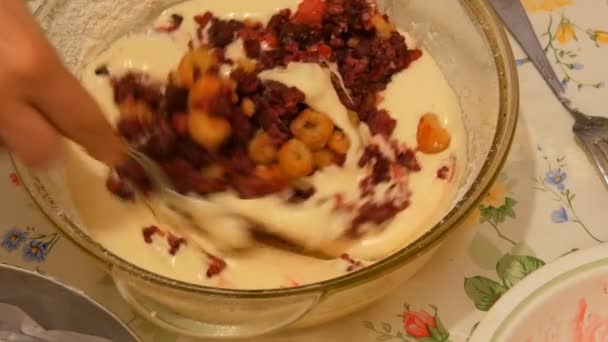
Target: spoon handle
516, 20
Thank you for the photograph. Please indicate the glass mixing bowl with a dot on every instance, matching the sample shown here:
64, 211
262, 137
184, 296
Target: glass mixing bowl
468, 42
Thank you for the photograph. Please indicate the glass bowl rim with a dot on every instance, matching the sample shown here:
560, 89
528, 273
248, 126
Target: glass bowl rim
491, 27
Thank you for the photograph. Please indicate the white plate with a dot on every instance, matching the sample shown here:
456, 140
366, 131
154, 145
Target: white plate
566, 300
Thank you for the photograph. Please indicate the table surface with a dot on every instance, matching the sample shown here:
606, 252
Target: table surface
548, 201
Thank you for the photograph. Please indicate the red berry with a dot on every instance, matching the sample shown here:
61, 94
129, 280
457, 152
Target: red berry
325, 51
311, 12
203, 19
180, 123
271, 40
120, 188
175, 243
216, 266
150, 231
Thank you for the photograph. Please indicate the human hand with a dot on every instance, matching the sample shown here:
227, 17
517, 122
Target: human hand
41, 101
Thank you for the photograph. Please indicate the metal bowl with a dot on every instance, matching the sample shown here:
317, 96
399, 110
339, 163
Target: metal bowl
56, 306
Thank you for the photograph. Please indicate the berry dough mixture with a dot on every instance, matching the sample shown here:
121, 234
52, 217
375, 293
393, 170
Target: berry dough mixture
320, 137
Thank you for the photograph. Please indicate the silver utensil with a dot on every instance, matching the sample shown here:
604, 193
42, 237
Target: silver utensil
158, 178
224, 229
592, 131
56, 307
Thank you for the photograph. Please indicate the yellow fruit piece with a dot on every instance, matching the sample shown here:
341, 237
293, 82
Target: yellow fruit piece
193, 65
312, 128
272, 174
324, 158
295, 159
207, 130
213, 171
339, 142
247, 64
203, 90
248, 107
383, 28
261, 150
432, 137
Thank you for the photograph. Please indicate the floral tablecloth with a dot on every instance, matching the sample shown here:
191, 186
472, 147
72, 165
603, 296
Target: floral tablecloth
548, 202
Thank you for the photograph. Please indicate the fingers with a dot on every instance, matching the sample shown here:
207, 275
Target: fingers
76, 115
33, 72
29, 135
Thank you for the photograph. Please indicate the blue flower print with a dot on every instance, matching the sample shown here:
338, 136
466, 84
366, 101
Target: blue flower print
13, 239
557, 178
560, 215
35, 251
553, 182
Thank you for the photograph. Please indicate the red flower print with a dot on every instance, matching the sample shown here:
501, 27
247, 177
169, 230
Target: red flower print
417, 323
14, 179
419, 326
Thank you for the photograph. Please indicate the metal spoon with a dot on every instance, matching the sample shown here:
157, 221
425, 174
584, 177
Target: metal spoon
226, 230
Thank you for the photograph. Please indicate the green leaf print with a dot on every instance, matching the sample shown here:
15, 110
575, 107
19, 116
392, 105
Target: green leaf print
513, 268
436, 334
427, 339
508, 207
440, 326
498, 215
483, 292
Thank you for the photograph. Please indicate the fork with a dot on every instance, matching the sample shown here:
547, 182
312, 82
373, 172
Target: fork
225, 230
592, 131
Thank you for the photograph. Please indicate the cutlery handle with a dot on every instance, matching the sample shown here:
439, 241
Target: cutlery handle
516, 20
